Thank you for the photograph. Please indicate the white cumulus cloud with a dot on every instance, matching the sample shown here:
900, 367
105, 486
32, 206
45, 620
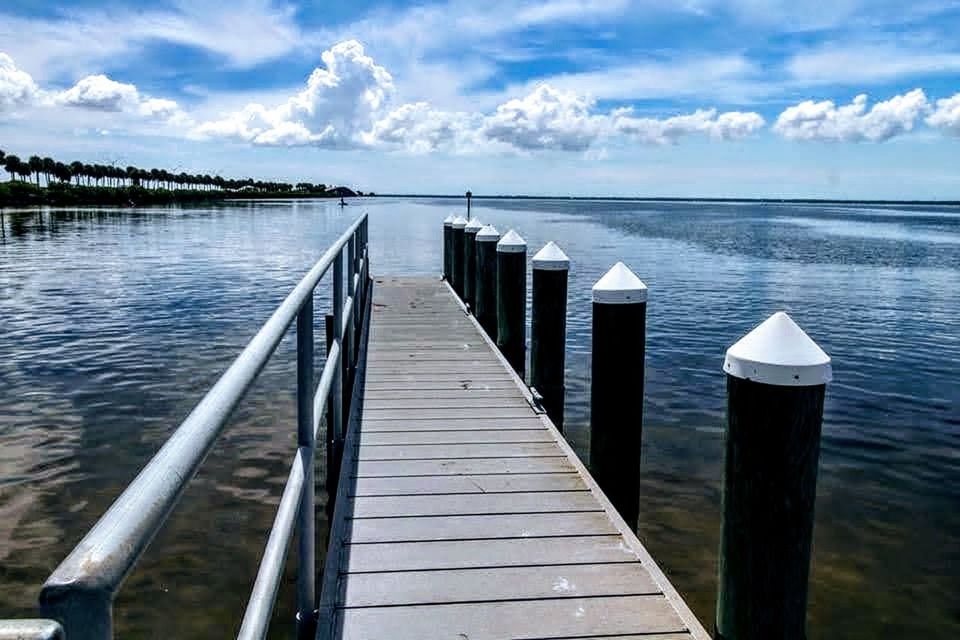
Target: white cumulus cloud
340, 100
545, 119
946, 116
853, 122
101, 93
731, 125
419, 128
17, 87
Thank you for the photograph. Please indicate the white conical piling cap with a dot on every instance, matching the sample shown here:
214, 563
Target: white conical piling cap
459, 222
473, 226
511, 242
448, 221
551, 258
778, 352
488, 234
619, 285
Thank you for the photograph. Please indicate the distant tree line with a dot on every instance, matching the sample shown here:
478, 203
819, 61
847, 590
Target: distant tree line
100, 175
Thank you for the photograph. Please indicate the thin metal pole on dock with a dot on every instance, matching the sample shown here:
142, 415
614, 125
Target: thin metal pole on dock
512, 299
338, 380
548, 329
616, 390
306, 534
459, 223
470, 263
485, 285
448, 248
333, 461
776, 382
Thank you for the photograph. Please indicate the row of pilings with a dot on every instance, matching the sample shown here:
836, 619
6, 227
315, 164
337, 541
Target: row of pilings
776, 380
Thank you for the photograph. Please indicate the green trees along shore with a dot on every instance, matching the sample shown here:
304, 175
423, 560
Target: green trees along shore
47, 181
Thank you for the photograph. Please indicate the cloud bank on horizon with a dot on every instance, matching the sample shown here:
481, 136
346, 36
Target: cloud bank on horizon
452, 78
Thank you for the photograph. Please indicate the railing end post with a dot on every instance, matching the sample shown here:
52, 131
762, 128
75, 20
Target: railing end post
84, 611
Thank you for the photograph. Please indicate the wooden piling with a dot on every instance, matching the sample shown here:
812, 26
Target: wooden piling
512, 299
459, 223
548, 329
470, 263
616, 390
776, 382
485, 282
448, 248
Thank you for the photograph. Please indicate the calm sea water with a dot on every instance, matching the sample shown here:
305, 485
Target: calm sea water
113, 323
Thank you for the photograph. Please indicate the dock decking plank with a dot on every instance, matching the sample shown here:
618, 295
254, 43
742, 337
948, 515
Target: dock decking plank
465, 514
442, 485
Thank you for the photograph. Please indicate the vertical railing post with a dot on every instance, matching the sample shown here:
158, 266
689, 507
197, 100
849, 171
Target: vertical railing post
348, 341
448, 248
333, 469
306, 571
512, 300
352, 291
85, 613
470, 263
340, 377
459, 223
548, 328
776, 382
357, 296
616, 389
486, 280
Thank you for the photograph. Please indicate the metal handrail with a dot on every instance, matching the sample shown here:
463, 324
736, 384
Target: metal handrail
80, 591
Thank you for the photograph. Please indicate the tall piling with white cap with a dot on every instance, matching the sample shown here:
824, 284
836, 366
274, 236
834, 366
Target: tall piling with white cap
458, 225
548, 329
616, 390
512, 299
470, 262
448, 247
485, 282
776, 382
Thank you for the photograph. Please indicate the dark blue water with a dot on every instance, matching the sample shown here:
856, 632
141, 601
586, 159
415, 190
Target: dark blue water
114, 323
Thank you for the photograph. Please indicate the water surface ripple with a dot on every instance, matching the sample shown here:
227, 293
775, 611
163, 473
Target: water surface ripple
115, 322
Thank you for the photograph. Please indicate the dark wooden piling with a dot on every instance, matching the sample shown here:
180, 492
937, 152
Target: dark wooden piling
470, 263
485, 285
548, 329
459, 223
448, 248
512, 299
616, 390
776, 382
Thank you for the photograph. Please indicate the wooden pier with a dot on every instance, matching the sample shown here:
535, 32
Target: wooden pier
462, 513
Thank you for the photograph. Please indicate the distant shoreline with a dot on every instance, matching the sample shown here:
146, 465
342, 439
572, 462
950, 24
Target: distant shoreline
24, 194
949, 203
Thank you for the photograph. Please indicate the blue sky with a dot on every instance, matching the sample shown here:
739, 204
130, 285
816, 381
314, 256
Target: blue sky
744, 98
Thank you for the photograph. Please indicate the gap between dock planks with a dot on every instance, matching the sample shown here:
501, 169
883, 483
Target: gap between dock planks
462, 513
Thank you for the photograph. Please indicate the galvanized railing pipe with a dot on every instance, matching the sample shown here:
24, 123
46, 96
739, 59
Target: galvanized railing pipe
340, 379
330, 370
256, 619
80, 591
306, 441
30, 630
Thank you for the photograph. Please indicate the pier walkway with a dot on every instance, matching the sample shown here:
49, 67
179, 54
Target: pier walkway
462, 513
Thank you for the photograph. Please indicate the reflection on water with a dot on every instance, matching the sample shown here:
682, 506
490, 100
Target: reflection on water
116, 322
